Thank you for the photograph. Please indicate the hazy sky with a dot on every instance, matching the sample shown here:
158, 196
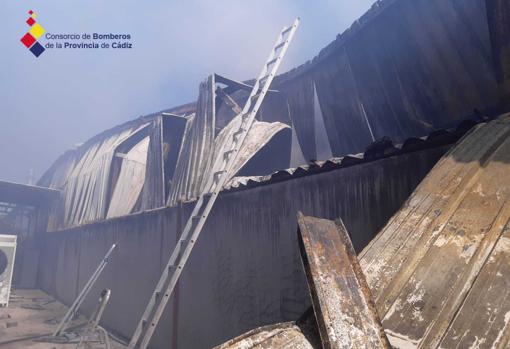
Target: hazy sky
50, 103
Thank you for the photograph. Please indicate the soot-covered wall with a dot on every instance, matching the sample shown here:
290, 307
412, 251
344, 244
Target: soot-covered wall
245, 270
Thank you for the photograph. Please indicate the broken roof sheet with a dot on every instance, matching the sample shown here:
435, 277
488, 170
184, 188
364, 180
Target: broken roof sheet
376, 151
203, 146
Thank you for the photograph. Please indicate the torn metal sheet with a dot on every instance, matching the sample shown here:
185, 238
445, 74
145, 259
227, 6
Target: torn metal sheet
153, 194
203, 144
86, 188
193, 161
345, 313
258, 136
113, 174
130, 181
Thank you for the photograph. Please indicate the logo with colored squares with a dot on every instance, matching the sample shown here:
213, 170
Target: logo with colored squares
34, 33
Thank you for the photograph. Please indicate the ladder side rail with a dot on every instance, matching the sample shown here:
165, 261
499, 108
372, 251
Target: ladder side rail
224, 176
174, 264
224, 165
162, 280
76, 304
231, 145
84, 292
154, 320
251, 118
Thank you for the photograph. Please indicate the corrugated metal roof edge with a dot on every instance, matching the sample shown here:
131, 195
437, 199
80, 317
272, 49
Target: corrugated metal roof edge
383, 148
338, 44
378, 150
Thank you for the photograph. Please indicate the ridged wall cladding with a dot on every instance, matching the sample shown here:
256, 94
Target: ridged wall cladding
245, 270
405, 68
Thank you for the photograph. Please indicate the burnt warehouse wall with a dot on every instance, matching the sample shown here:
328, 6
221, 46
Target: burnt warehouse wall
405, 68
245, 270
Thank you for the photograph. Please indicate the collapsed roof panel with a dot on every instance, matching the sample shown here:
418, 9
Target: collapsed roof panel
441, 258
130, 180
86, 188
164, 158
208, 133
173, 133
193, 161
258, 136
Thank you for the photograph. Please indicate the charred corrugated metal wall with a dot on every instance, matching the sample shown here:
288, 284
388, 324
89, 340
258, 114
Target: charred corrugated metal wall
245, 270
405, 68
498, 14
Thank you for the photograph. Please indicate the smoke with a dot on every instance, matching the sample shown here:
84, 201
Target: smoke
64, 97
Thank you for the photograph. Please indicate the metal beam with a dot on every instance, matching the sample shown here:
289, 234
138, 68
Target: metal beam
343, 306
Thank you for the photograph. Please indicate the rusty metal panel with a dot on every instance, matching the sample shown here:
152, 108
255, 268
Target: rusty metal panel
437, 270
280, 336
343, 307
484, 319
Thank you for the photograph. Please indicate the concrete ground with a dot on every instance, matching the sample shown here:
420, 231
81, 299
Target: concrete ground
33, 315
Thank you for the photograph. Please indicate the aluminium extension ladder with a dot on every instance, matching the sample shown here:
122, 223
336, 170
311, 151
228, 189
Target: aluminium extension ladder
219, 175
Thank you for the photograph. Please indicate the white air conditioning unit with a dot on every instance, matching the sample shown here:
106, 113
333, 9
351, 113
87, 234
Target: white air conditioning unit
7, 252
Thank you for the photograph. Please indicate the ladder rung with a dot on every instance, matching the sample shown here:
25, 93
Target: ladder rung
189, 237
218, 174
280, 45
238, 132
183, 241
286, 30
226, 154
272, 61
